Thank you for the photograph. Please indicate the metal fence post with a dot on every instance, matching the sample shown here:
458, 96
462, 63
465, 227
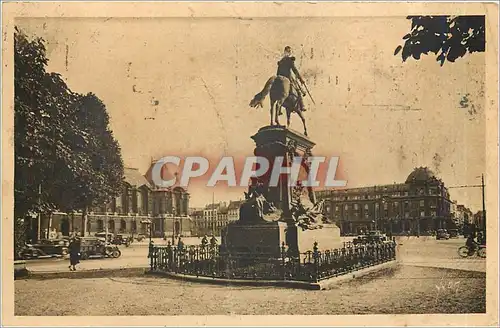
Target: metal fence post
283, 254
316, 261
150, 254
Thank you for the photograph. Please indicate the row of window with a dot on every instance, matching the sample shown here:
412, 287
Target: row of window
211, 224
112, 226
386, 205
420, 191
159, 204
386, 215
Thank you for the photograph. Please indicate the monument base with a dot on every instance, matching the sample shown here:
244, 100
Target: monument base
268, 238
255, 238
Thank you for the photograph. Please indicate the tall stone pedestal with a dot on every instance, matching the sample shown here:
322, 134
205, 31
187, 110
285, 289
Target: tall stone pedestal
255, 238
267, 233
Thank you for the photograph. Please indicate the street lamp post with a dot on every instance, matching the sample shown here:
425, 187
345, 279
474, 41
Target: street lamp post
150, 225
484, 205
482, 186
107, 226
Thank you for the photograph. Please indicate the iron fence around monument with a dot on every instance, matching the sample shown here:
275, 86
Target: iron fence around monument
311, 266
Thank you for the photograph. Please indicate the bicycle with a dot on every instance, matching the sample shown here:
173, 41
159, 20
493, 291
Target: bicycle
465, 251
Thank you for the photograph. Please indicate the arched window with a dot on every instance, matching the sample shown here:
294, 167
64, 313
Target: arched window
100, 225
123, 225
111, 225
145, 201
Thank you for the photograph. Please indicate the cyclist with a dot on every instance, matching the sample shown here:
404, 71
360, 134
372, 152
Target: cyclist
471, 244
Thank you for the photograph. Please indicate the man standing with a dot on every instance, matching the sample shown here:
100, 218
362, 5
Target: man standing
74, 253
285, 68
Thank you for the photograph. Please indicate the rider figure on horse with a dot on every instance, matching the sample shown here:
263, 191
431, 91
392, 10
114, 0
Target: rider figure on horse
285, 68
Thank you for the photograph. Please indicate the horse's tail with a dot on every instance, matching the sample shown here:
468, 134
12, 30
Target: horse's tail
259, 98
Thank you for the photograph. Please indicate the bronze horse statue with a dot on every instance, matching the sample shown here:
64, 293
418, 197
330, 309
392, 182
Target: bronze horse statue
279, 89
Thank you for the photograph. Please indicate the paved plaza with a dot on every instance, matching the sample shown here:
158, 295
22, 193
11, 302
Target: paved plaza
431, 278
423, 251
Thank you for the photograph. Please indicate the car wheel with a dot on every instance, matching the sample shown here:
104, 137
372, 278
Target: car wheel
463, 251
116, 253
482, 252
64, 251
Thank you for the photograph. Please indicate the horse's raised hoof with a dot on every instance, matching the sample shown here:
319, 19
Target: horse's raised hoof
305, 133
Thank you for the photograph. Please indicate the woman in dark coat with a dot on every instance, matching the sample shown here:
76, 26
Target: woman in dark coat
74, 253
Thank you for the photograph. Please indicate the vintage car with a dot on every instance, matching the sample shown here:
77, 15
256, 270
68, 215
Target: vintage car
372, 236
53, 247
94, 246
122, 239
442, 234
107, 237
453, 233
140, 237
29, 252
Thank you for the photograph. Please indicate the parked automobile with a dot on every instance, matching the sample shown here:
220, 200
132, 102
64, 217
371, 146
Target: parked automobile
95, 246
377, 235
52, 246
442, 234
371, 236
453, 233
29, 252
140, 237
107, 237
121, 239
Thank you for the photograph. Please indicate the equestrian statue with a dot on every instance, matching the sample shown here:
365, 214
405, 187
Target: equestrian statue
285, 91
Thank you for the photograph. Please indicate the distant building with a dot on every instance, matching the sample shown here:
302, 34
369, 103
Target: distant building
478, 220
233, 210
139, 203
214, 217
420, 204
462, 216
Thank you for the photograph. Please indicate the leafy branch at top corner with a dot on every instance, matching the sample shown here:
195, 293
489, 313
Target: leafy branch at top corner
448, 37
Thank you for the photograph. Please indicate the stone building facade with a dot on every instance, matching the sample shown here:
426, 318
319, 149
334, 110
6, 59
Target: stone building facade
420, 204
214, 217
130, 213
462, 216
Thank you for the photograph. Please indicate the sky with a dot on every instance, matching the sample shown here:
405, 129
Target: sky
180, 86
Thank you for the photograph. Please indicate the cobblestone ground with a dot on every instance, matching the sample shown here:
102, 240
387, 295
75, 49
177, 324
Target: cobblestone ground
402, 290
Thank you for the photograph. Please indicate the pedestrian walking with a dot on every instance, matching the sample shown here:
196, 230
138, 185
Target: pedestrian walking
74, 253
204, 241
180, 244
213, 241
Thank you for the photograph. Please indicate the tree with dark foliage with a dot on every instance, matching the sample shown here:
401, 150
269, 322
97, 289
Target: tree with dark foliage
448, 37
66, 157
100, 173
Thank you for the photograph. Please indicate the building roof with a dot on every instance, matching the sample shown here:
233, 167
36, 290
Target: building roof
397, 187
421, 174
197, 213
133, 177
166, 175
234, 204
